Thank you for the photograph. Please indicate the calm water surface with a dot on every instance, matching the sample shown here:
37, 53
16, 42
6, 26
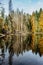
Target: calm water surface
21, 50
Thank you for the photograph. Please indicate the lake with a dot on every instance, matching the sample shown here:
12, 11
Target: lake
21, 50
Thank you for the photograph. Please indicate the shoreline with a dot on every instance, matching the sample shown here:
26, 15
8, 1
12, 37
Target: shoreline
22, 33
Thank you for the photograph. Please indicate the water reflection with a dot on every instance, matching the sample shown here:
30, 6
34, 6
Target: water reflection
12, 47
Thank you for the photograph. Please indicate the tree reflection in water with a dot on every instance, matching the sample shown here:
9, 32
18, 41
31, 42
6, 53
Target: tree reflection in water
18, 44
2, 54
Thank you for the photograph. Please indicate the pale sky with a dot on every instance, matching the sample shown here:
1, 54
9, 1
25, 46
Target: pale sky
28, 6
